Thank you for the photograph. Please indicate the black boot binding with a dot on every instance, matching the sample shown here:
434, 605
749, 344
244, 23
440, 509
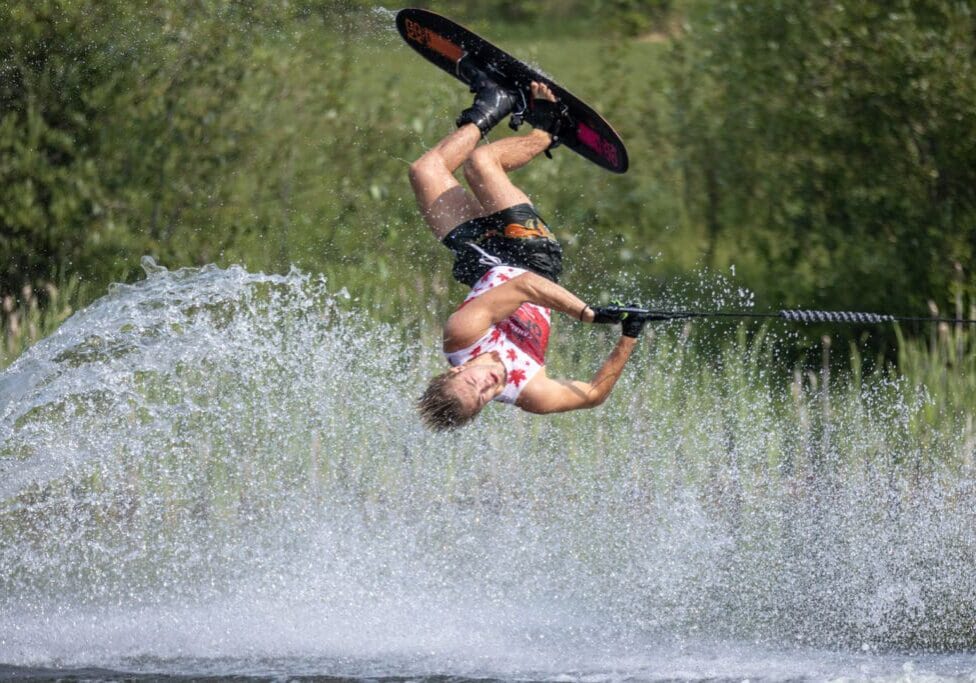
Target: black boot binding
552, 117
492, 103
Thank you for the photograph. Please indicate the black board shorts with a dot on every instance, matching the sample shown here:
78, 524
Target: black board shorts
517, 236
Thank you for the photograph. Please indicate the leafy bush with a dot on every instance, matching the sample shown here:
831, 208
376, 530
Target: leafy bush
830, 147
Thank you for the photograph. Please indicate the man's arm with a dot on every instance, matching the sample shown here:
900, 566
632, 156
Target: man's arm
546, 395
471, 320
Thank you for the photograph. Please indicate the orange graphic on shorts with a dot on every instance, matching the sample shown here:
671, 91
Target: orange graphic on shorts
533, 229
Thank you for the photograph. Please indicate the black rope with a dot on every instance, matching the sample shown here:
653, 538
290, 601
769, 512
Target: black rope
797, 315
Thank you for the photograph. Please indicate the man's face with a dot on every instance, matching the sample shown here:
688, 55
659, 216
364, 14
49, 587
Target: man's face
475, 385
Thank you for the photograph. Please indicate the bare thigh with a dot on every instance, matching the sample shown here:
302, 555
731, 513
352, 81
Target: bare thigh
495, 192
442, 201
445, 208
487, 169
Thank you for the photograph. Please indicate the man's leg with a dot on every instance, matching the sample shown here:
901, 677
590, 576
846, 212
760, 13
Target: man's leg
487, 167
443, 203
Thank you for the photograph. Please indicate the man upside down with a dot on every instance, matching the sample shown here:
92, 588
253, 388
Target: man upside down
496, 340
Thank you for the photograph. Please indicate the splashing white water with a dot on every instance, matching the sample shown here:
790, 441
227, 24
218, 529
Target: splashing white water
218, 466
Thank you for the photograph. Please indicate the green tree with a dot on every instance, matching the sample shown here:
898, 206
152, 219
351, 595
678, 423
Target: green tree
58, 72
171, 141
830, 148
119, 130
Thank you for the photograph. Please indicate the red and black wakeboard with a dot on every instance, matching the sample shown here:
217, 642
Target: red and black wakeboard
443, 42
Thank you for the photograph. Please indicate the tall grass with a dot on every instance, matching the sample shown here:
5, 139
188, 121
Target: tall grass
33, 315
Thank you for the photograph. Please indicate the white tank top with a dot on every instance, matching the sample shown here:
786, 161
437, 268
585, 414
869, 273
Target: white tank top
520, 340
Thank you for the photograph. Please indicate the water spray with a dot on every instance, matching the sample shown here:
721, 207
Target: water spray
211, 472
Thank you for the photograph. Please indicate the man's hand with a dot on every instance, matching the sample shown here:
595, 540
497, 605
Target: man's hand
631, 323
606, 315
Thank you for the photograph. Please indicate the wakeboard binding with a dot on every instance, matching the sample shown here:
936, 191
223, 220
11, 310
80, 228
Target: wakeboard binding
552, 117
492, 103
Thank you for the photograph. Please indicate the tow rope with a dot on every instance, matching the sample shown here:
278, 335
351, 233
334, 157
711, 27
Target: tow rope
796, 315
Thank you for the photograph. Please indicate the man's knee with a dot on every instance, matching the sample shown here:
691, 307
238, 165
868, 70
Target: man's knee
423, 170
480, 163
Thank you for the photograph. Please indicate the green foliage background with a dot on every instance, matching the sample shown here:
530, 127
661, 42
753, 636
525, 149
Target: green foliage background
826, 151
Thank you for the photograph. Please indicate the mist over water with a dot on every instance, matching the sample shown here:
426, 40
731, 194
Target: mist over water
218, 471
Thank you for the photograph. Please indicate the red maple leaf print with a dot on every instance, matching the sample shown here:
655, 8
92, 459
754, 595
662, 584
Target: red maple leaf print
475, 351
516, 377
512, 355
503, 278
496, 335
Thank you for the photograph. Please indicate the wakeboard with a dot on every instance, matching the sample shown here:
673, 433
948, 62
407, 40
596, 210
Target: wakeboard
444, 42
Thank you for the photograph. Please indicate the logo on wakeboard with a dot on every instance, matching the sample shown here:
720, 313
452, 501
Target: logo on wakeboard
438, 43
594, 141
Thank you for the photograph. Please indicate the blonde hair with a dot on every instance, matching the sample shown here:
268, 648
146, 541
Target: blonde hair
440, 408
